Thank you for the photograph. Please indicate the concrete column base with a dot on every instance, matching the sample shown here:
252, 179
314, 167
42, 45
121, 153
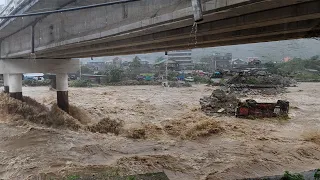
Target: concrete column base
16, 95
63, 100
62, 91
6, 89
15, 86
6, 83
53, 82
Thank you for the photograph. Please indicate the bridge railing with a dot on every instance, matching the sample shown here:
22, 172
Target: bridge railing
10, 7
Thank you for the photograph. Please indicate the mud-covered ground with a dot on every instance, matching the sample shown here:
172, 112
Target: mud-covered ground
163, 130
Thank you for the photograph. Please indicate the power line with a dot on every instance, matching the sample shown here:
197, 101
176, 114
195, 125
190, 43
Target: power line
67, 9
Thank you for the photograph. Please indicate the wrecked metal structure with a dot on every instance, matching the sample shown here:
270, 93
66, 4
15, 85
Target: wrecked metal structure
221, 102
252, 109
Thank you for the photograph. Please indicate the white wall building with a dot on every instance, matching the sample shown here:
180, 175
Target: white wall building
183, 58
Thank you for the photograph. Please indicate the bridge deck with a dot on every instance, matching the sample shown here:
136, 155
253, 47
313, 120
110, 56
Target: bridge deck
151, 26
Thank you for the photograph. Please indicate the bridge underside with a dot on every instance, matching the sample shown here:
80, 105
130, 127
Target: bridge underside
261, 21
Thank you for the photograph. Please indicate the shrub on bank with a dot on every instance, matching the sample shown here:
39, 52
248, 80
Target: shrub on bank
133, 83
177, 84
201, 79
34, 83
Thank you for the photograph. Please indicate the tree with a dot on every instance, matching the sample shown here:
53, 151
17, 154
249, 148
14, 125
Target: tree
172, 76
136, 63
315, 57
271, 67
113, 74
135, 68
86, 70
205, 67
116, 75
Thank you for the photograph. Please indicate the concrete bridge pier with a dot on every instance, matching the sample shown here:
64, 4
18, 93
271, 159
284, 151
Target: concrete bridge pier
6, 83
15, 86
15, 68
62, 91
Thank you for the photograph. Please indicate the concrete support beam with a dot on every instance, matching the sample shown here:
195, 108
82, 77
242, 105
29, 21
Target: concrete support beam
267, 38
62, 91
15, 86
14, 66
212, 40
161, 24
6, 83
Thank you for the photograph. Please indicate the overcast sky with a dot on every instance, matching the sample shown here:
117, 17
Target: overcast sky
2, 1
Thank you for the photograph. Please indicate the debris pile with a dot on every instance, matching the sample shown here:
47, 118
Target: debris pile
259, 84
219, 102
247, 89
262, 80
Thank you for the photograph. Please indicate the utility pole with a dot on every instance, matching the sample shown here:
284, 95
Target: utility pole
167, 59
215, 64
80, 69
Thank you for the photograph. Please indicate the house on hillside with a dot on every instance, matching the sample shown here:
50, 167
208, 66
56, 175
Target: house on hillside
161, 65
286, 59
237, 63
254, 61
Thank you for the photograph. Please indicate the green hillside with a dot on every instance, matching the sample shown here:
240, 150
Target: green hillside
299, 69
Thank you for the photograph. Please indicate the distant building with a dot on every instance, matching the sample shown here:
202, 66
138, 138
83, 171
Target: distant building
237, 63
161, 65
221, 61
146, 67
117, 62
109, 63
250, 59
287, 59
254, 61
144, 62
182, 58
96, 65
33, 76
126, 64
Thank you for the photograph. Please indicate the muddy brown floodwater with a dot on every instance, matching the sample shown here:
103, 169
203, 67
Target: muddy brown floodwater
236, 148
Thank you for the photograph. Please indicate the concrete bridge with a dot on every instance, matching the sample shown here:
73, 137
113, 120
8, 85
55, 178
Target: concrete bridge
142, 26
